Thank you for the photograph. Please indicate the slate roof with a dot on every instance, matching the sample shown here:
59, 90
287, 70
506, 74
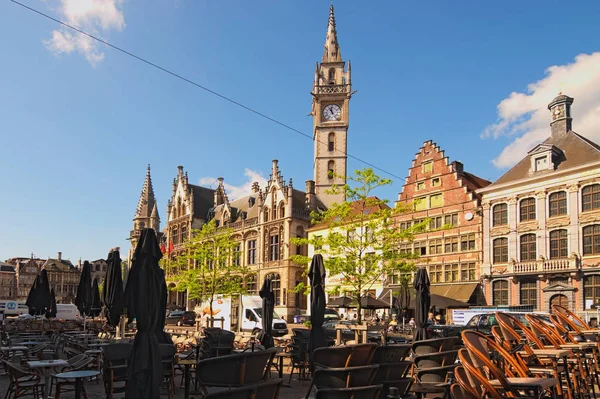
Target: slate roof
5, 267
203, 199
576, 151
59, 265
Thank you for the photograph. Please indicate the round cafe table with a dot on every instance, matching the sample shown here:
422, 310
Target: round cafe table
78, 376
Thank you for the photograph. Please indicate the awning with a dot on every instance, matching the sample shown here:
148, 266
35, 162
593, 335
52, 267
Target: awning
461, 292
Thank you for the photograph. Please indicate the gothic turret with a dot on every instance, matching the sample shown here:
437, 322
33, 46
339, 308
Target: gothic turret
146, 214
332, 48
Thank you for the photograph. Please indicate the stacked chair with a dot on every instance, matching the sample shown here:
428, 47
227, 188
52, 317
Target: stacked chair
433, 365
298, 350
217, 342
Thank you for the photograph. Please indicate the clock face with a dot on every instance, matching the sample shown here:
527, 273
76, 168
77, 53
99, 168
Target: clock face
557, 112
332, 112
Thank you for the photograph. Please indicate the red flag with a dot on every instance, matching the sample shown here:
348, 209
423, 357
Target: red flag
163, 249
171, 248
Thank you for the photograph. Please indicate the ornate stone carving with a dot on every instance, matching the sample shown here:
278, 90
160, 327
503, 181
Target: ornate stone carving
512, 201
530, 225
499, 231
573, 188
540, 194
555, 222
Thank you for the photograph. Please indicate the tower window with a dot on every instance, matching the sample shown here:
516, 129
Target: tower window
330, 169
332, 76
331, 142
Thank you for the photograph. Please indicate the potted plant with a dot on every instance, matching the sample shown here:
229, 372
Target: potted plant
308, 324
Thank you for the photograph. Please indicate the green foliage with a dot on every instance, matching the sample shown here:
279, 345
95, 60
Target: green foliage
208, 266
360, 240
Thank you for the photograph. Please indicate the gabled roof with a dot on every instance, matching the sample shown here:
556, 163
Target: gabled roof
59, 265
576, 151
203, 200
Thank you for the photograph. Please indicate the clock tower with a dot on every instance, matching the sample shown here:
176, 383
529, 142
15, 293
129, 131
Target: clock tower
331, 94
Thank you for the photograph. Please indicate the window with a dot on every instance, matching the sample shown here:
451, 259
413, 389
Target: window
436, 273
420, 248
501, 250
529, 293
266, 214
527, 209
500, 214
436, 222
184, 233
427, 167
251, 284
351, 235
318, 242
541, 163
252, 252
175, 236
331, 75
331, 142
528, 247
421, 185
435, 200
590, 197
558, 203
467, 242
591, 289
559, 246
274, 247
435, 247
467, 271
420, 204
500, 292
237, 255
330, 169
435, 182
451, 245
276, 286
451, 272
281, 210
451, 220
591, 240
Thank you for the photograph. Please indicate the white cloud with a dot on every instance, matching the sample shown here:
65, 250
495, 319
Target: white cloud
93, 16
525, 116
235, 192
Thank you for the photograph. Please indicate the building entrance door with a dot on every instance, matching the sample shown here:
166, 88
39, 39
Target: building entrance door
560, 300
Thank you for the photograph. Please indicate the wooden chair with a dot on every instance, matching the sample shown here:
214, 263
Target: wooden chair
391, 353
514, 378
462, 379
433, 345
477, 380
342, 377
114, 368
361, 354
167, 353
370, 392
336, 356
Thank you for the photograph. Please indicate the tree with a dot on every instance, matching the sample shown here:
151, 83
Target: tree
209, 265
362, 242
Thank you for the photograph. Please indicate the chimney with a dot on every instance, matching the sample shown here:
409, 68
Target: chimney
79, 264
560, 112
180, 171
310, 187
255, 187
59, 257
458, 166
311, 198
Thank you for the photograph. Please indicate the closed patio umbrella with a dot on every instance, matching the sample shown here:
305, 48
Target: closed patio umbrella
113, 295
32, 297
316, 273
422, 304
96, 307
83, 299
51, 311
268, 306
146, 298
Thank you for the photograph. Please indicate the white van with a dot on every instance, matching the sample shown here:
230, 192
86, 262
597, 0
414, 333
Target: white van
252, 317
13, 308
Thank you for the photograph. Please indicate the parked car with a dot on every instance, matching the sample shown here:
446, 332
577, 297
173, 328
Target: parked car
480, 322
180, 318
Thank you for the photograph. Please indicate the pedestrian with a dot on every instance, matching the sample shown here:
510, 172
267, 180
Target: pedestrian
411, 322
431, 319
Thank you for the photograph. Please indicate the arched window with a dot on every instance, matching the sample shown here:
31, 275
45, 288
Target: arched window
266, 214
282, 210
528, 247
528, 292
175, 236
276, 286
330, 169
500, 213
331, 76
500, 292
300, 249
591, 240
251, 285
184, 233
527, 209
274, 212
590, 197
331, 142
558, 203
591, 289
501, 250
559, 244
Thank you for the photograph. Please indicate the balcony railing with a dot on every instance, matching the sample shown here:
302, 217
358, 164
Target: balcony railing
332, 89
544, 266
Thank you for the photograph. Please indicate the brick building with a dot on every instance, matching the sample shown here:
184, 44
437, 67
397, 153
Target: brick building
63, 277
542, 223
26, 270
8, 281
451, 248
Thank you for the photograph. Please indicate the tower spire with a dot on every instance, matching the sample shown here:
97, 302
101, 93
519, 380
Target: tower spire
332, 51
147, 200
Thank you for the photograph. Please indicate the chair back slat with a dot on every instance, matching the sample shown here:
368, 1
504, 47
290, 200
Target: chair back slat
369, 392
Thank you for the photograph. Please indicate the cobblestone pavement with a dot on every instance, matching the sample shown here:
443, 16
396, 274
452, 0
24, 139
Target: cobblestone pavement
95, 389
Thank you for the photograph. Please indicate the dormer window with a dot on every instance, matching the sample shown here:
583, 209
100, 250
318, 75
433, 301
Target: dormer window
541, 163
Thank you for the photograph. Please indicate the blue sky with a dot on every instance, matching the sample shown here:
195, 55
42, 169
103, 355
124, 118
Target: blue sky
78, 127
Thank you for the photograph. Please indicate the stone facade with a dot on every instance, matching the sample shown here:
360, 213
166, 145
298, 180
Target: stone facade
8, 281
63, 277
541, 222
146, 215
26, 270
451, 248
98, 269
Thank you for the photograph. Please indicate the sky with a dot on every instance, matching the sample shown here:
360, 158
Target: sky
79, 121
